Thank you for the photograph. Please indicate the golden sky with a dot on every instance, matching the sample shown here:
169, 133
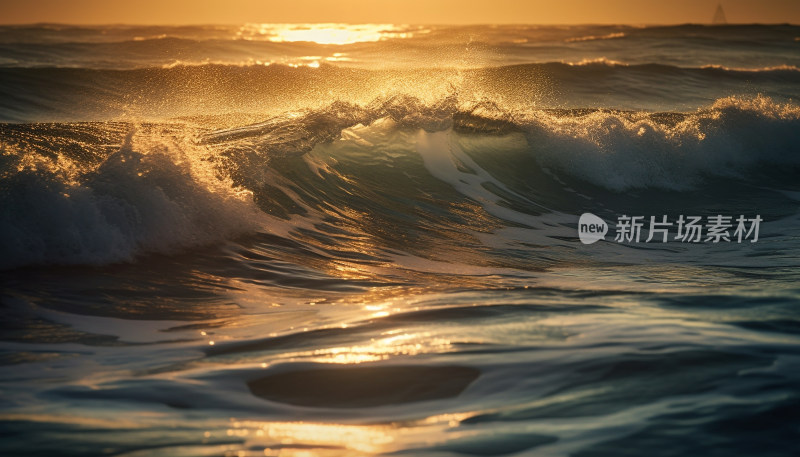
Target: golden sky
395, 11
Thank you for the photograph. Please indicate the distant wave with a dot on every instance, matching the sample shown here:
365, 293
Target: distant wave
596, 61
773, 68
129, 47
222, 66
604, 61
609, 36
32, 94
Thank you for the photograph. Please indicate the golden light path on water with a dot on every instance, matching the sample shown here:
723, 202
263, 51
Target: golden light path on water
280, 438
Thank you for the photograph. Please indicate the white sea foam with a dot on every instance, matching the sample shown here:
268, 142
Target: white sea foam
153, 195
620, 151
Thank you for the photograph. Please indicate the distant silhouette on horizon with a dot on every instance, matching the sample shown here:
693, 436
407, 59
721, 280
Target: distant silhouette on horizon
719, 16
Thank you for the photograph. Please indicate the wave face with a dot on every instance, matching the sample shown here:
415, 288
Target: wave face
231, 240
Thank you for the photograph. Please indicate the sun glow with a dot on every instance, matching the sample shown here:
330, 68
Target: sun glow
335, 34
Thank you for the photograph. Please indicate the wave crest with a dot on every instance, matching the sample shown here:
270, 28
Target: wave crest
171, 187
152, 195
615, 149
625, 150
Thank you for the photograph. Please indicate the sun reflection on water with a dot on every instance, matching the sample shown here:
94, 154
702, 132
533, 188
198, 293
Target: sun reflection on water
327, 34
298, 438
392, 344
369, 439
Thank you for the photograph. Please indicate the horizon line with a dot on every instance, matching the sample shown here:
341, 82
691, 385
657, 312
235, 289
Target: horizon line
554, 24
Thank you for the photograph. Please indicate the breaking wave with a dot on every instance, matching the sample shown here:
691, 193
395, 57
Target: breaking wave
70, 196
150, 195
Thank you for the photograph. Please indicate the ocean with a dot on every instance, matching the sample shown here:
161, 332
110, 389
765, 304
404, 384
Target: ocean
358, 240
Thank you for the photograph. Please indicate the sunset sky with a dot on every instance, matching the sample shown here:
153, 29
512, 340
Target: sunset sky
396, 11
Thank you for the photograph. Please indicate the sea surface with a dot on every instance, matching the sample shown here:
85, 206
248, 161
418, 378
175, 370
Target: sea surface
357, 240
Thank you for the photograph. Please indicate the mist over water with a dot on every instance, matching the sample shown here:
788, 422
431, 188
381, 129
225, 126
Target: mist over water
363, 240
